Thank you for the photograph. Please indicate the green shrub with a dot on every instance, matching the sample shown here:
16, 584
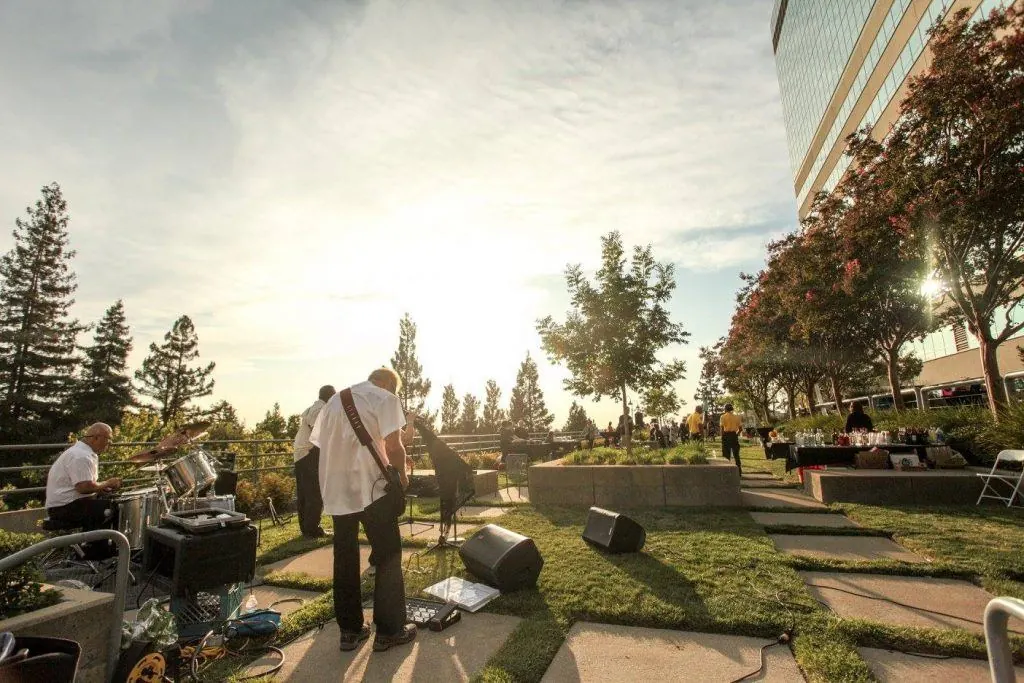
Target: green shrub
20, 590
251, 498
685, 454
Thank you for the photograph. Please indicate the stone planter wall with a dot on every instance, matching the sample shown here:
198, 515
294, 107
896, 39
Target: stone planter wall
22, 521
889, 487
83, 616
716, 484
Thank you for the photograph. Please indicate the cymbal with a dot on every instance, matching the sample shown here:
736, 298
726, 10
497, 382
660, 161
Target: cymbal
150, 455
172, 442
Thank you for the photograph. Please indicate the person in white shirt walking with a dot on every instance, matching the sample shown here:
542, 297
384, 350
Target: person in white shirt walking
307, 469
72, 485
351, 483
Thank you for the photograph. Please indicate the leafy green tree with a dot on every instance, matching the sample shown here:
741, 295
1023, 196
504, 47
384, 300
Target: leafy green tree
103, 390
37, 336
527, 401
577, 420
167, 375
616, 326
709, 386
294, 422
273, 423
493, 415
659, 402
449, 410
415, 388
469, 421
959, 149
226, 425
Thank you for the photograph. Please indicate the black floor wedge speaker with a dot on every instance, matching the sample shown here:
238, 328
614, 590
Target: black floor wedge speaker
502, 558
613, 532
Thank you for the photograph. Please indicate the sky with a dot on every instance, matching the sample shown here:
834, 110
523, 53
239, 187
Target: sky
297, 176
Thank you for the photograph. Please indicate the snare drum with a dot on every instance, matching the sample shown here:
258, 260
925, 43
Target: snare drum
191, 474
136, 510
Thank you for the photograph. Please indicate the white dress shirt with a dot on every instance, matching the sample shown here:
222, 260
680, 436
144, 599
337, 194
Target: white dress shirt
350, 478
76, 464
302, 443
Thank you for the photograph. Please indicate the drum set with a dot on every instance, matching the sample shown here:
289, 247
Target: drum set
182, 485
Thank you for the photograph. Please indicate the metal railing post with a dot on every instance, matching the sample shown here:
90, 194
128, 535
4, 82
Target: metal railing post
120, 581
997, 639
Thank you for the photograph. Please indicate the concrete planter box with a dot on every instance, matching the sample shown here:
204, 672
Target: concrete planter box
889, 487
83, 616
22, 521
716, 484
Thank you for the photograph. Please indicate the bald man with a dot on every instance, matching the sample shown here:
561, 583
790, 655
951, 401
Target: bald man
73, 483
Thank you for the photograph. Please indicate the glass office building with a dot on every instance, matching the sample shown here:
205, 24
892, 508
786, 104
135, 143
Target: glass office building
843, 65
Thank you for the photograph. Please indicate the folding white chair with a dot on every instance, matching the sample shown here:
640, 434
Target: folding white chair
1011, 479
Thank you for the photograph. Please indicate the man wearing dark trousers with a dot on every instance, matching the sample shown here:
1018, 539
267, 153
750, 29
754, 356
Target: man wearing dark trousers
307, 466
353, 486
732, 426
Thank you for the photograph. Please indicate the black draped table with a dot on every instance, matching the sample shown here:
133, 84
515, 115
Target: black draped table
843, 456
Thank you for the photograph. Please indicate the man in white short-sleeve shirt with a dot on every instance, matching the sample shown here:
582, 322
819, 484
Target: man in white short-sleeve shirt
72, 484
307, 469
350, 482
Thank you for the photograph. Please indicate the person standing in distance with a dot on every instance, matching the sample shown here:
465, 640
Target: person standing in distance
732, 425
307, 469
351, 483
695, 424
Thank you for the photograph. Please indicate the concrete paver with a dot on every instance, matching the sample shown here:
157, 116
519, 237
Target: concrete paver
509, 495
803, 519
961, 602
763, 498
268, 595
320, 562
858, 548
896, 667
455, 654
481, 511
603, 653
767, 484
760, 475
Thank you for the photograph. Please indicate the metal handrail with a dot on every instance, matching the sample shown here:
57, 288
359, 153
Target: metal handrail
120, 581
997, 638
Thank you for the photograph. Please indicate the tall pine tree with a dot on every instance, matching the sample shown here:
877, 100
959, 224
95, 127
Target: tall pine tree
415, 387
104, 387
37, 336
167, 376
577, 420
527, 402
273, 423
493, 415
709, 386
468, 423
449, 410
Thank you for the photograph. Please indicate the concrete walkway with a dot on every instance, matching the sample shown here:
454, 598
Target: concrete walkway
896, 667
823, 520
509, 495
765, 498
961, 603
455, 654
320, 562
485, 512
603, 653
855, 548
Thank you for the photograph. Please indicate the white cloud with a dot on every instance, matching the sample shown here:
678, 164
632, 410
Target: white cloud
295, 177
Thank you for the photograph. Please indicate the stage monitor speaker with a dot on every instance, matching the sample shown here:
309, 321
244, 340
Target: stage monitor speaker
502, 558
613, 532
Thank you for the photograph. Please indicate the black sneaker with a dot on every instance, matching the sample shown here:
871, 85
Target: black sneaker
350, 639
382, 642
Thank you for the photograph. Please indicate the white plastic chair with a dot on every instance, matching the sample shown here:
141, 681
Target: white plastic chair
1010, 479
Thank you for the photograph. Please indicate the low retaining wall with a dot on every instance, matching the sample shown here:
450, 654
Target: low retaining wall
22, 521
83, 616
889, 487
716, 484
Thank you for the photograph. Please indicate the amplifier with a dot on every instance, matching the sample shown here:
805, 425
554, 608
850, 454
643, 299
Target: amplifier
195, 562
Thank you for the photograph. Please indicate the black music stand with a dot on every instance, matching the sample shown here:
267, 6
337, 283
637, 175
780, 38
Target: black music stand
411, 522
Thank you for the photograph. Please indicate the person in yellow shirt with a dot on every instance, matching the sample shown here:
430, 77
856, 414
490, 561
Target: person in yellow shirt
732, 425
695, 424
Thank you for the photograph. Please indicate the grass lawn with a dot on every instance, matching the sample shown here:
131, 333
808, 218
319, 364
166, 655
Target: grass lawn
714, 571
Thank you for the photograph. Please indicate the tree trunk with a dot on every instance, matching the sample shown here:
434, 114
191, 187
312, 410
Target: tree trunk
893, 366
993, 379
627, 436
809, 389
837, 393
791, 400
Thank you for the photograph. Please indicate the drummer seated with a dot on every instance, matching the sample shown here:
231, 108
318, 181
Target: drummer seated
73, 484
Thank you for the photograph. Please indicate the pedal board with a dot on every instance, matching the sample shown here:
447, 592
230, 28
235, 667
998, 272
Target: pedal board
437, 616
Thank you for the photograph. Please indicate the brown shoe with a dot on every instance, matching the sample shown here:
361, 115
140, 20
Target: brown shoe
350, 639
382, 642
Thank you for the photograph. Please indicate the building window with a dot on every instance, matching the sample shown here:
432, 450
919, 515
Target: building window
960, 337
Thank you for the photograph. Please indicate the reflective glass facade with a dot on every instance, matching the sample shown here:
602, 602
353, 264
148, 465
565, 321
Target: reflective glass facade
815, 43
